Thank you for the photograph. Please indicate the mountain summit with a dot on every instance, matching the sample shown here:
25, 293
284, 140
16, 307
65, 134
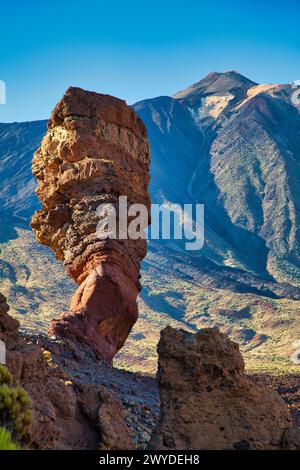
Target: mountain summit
217, 83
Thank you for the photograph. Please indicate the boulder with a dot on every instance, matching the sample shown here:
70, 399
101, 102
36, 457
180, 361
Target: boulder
207, 400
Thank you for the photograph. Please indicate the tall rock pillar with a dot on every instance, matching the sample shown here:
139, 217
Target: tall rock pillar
95, 150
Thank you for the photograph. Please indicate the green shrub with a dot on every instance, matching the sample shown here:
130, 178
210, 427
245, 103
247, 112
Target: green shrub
6, 442
15, 412
5, 376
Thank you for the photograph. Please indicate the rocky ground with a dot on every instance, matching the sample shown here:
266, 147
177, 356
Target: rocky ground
288, 387
138, 393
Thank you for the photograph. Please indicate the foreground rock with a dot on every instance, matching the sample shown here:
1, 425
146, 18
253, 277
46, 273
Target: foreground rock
67, 413
207, 401
96, 149
8, 325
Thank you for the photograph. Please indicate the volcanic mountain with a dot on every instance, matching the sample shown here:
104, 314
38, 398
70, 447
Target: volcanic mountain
225, 142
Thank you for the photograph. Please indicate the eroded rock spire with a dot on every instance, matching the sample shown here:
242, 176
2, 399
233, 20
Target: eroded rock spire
95, 150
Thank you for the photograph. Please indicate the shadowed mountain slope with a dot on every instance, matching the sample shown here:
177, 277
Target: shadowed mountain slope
233, 146
18, 142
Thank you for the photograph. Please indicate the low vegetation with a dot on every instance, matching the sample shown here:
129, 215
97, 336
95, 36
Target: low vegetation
6, 442
15, 412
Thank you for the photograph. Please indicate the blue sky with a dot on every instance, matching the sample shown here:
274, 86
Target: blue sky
138, 49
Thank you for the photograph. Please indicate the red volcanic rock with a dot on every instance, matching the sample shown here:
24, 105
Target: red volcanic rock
207, 401
9, 327
95, 150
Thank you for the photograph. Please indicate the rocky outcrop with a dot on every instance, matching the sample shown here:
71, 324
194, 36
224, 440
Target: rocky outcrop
95, 150
9, 327
207, 401
291, 439
66, 413
102, 406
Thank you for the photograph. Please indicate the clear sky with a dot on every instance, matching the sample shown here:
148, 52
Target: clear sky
138, 49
